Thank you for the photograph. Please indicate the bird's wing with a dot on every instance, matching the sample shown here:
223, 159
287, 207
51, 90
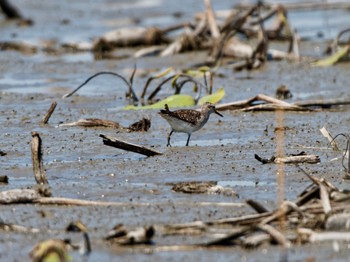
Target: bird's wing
190, 116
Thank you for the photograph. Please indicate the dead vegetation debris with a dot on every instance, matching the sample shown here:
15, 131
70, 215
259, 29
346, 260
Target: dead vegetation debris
201, 187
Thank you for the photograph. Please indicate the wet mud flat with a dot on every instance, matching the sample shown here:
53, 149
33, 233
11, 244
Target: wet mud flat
79, 166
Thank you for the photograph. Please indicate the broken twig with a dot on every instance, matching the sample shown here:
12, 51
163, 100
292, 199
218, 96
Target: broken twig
311, 159
114, 142
37, 155
93, 122
47, 116
327, 135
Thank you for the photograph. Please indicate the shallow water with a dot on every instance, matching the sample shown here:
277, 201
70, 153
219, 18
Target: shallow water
79, 166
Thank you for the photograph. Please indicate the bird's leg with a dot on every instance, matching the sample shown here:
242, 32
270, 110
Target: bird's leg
188, 139
168, 144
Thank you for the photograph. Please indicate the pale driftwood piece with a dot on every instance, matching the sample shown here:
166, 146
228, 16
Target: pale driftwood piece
276, 104
214, 29
256, 240
217, 204
234, 47
148, 51
324, 195
338, 222
304, 6
17, 196
318, 209
274, 107
80, 202
311, 159
123, 37
282, 211
309, 235
318, 181
93, 122
231, 26
276, 236
193, 228
272, 103
295, 49
114, 142
17, 228
47, 116
38, 168
136, 36
188, 40
331, 140
243, 220
339, 196
184, 42
324, 103
228, 239
172, 248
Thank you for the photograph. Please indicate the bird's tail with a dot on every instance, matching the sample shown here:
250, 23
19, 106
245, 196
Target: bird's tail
166, 110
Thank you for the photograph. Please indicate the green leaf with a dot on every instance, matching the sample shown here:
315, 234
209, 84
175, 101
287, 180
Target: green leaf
334, 58
172, 101
213, 98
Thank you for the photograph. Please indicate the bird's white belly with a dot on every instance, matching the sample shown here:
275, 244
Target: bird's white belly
182, 126
185, 127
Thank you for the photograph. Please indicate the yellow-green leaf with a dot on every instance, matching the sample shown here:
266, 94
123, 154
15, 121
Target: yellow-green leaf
172, 101
196, 72
164, 73
52, 250
213, 98
334, 58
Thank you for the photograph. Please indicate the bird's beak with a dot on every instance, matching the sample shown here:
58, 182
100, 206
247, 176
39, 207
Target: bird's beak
216, 112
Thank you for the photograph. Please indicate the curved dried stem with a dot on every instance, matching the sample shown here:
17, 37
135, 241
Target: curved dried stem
158, 88
131, 79
149, 80
178, 88
347, 169
131, 91
336, 41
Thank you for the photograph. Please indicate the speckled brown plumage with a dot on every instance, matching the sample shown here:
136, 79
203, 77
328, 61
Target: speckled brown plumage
188, 115
187, 120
